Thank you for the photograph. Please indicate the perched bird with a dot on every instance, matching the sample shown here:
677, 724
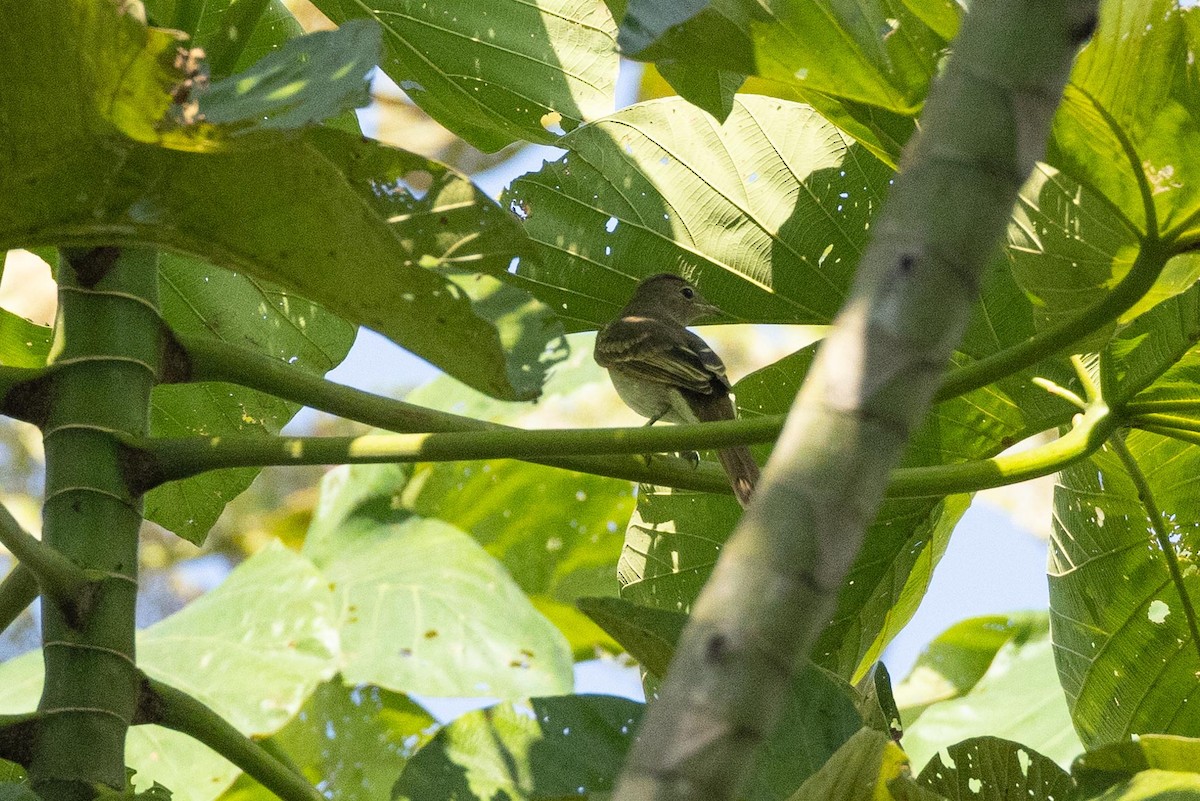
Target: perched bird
665, 372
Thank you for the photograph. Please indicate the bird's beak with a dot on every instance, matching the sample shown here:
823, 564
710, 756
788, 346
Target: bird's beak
706, 310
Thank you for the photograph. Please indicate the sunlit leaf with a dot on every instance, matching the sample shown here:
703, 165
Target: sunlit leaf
497, 71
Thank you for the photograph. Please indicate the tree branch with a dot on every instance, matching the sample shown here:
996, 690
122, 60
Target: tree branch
176, 458
166, 706
984, 126
60, 579
211, 360
18, 590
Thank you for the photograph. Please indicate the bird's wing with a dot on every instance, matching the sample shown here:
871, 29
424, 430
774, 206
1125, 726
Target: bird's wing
660, 352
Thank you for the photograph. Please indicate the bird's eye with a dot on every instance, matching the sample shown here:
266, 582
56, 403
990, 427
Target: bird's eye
688, 292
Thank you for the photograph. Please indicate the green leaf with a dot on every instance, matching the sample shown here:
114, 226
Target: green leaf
647, 20
1134, 82
352, 742
424, 609
1124, 635
301, 210
543, 748
1019, 696
647, 634
253, 649
878, 52
1099, 770
498, 71
1066, 246
275, 26
954, 662
22, 343
768, 212
861, 770
308, 80
233, 33
992, 769
1156, 785
1154, 356
203, 301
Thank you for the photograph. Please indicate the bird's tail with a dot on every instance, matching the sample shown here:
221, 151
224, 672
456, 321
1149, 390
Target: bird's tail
738, 462
742, 470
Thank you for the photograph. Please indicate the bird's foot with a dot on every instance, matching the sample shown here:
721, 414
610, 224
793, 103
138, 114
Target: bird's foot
691, 457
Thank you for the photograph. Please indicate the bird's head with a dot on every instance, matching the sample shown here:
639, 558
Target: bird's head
667, 296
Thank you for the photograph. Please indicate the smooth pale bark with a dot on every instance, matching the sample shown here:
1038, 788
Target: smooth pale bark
776, 584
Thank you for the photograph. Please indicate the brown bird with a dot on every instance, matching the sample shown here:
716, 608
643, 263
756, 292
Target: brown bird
665, 372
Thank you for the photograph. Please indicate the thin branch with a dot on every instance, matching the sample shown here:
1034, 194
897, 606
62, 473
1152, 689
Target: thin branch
1144, 271
1090, 431
174, 709
59, 578
1158, 524
172, 459
212, 360
1177, 422
18, 590
1144, 408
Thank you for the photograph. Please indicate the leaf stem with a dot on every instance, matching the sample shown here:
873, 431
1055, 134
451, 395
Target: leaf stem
1173, 421
177, 710
59, 578
1144, 271
1161, 535
18, 590
1089, 433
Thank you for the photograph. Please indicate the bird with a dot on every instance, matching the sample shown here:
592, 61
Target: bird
663, 371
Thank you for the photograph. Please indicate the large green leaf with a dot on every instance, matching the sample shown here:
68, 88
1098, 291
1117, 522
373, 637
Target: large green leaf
352, 742
879, 52
255, 648
199, 300
861, 770
424, 609
768, 212
1019, 698
992, 769
540, 749
1123, 626
315, 211
1128, 120
1066, 246
498, 71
